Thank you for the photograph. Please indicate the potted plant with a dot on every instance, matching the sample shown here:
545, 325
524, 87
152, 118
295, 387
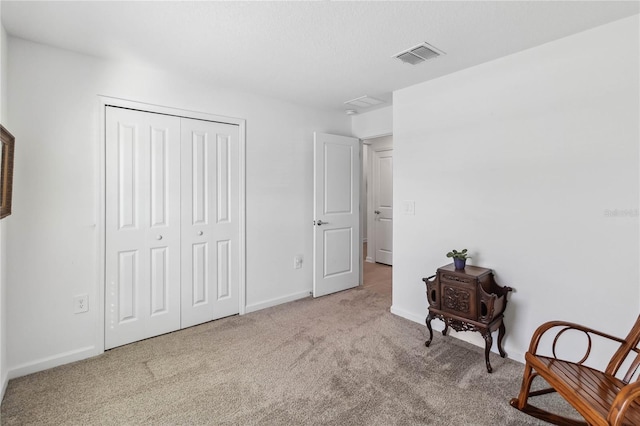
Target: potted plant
459, 258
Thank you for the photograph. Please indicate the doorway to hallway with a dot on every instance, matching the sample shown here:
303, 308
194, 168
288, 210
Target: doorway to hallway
377, 199
376, 276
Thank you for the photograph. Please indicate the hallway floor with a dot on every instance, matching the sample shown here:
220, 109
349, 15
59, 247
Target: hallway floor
377, 277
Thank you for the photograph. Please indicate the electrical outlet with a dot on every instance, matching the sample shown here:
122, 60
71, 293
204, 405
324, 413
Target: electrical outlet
297, 262
80, 304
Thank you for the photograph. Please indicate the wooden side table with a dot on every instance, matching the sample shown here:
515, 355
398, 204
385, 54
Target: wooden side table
468, 299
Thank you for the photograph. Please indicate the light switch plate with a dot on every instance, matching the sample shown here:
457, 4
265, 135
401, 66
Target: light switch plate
409, 207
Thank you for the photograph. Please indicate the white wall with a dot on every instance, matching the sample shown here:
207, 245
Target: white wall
53, 256
3, 269
520, 160
378, 122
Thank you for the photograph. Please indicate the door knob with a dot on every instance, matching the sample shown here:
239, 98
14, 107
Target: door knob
200, 232
159, 237
320, 223
376, 211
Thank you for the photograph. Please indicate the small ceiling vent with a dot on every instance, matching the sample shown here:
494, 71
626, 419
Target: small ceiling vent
418, 54
363, 102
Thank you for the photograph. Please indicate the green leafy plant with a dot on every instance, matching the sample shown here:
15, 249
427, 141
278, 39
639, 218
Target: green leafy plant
458, 254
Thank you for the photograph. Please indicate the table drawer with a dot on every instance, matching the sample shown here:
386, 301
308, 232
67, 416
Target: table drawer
457, 279
459, 299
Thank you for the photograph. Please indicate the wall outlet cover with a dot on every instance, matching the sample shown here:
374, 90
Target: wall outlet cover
80, 304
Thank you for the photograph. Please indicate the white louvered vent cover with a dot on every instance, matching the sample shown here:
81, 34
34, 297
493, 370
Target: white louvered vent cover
364, 102
418, 54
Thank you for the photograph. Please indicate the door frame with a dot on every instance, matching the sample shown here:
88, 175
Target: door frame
103, 102
375, 184
368, 215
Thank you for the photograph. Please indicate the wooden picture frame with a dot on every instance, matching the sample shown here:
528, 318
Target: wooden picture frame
6, 171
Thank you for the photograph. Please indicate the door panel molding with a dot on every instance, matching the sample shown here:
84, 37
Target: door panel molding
336, 213
132, 194
215, 196
101, 284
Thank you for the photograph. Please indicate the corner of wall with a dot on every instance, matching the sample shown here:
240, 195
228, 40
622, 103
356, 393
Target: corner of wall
3, 118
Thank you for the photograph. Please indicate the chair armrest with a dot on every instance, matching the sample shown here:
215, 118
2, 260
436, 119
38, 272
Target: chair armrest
624, 400
544, 328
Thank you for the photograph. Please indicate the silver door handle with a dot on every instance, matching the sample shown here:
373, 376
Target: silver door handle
376, 211
320, 223
200, 233
159, 237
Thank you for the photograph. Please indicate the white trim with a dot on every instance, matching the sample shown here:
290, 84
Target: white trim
242, 138
3, 385
277, 301
100, 225
365, 139
360, 210
54, 361
105, 101
159, 109
383, 148
408, 315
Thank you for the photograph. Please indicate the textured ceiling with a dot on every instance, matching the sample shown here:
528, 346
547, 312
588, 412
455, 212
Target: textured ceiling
314, 53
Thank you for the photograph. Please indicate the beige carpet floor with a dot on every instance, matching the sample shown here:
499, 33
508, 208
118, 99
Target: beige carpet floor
341, 359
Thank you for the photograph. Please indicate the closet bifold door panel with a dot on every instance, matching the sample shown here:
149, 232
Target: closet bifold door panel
142, 235
172, 218
210, 221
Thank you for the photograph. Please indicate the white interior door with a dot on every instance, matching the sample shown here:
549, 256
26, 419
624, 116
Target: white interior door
336, 257
142, 295
210, 221
383, 205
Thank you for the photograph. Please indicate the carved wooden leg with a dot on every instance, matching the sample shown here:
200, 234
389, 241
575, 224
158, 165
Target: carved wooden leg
501, 332
428, 321
446, 328
487, 348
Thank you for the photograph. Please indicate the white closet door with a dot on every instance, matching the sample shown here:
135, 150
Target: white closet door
210, 226
142, 225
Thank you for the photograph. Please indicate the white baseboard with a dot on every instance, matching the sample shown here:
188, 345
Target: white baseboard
369, 260
53, 361
90, 351
5, 382
277, 301
408, 315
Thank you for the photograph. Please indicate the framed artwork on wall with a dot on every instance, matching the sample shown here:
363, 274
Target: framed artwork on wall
6, 172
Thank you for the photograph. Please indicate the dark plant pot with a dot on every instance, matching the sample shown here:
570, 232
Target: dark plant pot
459, 263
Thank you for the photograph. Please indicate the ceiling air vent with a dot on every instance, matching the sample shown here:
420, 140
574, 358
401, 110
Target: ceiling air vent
417, 54
363, 102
